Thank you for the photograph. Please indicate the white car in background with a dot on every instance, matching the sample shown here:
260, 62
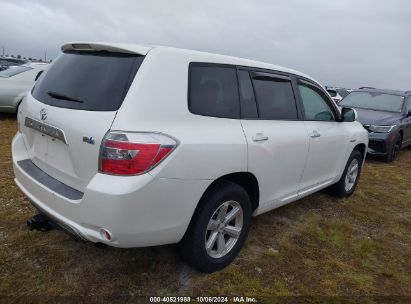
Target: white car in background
337, 94
135, 146
15, 82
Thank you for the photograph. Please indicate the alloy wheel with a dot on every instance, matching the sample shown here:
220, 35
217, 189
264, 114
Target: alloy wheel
224, 229
352, 174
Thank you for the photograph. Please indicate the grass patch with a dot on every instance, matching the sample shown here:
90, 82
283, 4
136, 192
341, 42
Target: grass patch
318, 246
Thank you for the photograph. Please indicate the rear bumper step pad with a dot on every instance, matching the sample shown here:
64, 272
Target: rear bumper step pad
46, 180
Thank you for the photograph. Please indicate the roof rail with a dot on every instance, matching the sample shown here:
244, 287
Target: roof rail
407, 92
366, 88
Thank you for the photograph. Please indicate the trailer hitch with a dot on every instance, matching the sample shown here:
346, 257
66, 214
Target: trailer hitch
40, 222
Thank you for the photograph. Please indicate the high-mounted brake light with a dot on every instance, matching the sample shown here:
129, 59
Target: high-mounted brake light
127, 153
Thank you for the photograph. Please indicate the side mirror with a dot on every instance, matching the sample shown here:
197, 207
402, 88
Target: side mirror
38, 75
409, 113
348, 115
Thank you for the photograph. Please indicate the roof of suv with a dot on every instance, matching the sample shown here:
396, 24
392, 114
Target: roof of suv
145, 49
383, 91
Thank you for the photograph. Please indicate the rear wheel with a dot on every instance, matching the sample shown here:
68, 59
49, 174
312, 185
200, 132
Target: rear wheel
218, 229
349, 180
392, 154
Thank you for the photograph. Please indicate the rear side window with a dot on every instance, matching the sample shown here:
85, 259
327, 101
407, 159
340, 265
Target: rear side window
92, 81
213, 91
275, 98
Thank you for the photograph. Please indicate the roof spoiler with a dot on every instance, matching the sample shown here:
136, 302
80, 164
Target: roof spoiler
117, 48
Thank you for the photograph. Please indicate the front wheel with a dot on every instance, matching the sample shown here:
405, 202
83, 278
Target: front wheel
393, 152
349, 180
218, 229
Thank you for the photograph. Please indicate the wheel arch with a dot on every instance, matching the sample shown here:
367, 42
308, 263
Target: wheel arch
362, 149
246, 180
401, 132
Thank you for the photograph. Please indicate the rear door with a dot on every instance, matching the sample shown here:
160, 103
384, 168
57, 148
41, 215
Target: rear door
328, 138
78, 98
277, 139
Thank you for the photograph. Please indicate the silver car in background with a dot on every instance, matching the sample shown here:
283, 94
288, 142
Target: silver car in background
15, 82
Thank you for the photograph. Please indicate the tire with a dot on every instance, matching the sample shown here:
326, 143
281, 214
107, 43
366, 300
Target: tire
340, 189
193, 249
392, 154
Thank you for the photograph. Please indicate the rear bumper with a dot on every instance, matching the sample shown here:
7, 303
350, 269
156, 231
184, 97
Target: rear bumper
138, 211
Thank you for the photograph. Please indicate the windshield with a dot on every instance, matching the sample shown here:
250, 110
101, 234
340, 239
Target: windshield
14, 71
374, 101
91, 81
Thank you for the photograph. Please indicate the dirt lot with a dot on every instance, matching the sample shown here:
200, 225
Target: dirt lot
316, 247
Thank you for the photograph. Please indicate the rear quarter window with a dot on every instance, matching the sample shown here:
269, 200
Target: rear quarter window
213, 91
92, 81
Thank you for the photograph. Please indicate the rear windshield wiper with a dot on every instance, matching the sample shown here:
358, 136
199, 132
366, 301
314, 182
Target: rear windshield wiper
63, 97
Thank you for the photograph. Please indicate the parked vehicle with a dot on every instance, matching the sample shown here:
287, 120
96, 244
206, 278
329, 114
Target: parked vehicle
337, 94
7, 62
15, 82
386, 115
135, 146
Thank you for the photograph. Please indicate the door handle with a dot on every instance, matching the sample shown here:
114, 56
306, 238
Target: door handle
315, 134
260, 137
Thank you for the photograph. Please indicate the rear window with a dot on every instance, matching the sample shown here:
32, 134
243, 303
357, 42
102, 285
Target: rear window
91, 81
14, 71
214, 91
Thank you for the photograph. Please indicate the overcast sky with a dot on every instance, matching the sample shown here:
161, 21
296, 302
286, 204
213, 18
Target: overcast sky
347, 43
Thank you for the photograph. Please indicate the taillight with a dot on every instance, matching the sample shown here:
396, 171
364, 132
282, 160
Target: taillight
127, 153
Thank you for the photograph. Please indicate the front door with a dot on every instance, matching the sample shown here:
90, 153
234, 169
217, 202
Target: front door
327, 139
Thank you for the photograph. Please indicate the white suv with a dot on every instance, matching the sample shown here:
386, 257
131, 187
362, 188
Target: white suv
135, 146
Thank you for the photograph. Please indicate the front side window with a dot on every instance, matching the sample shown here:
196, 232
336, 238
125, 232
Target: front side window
213, 91
275, 98
14, 71
315, 104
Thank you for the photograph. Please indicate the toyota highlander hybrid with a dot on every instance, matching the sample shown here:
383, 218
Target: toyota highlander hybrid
135, 146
